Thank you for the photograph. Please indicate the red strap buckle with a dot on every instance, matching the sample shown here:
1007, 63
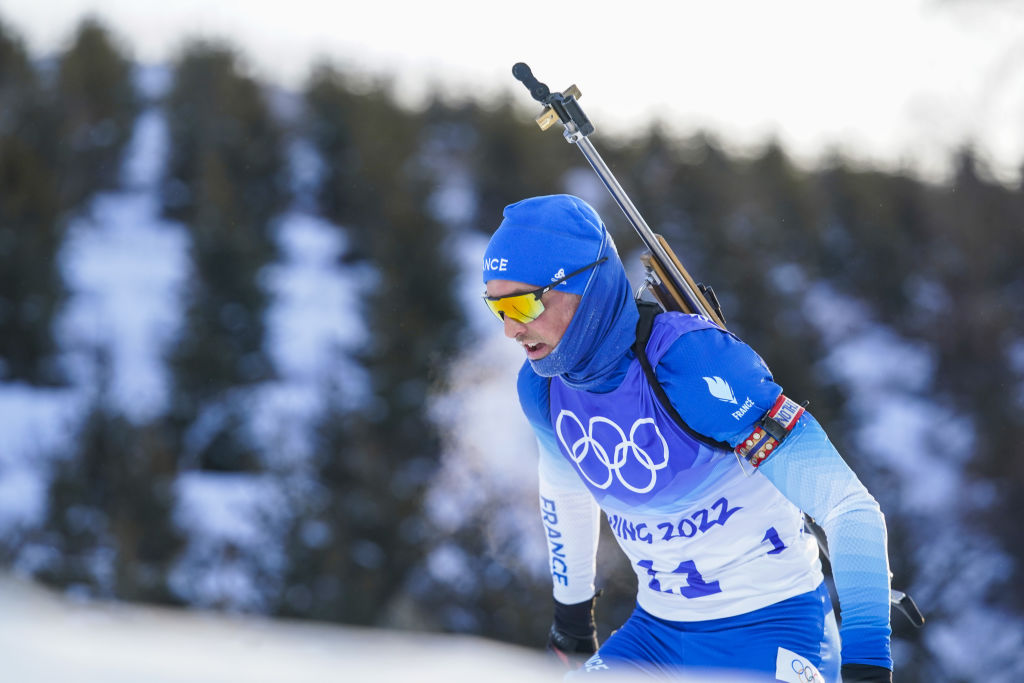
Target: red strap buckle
770, 431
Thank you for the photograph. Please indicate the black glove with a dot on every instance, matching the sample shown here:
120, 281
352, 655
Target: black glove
866, 673
573, 636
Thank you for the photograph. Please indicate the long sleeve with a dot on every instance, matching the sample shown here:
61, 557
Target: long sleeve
809, 471
570, 516
571, 521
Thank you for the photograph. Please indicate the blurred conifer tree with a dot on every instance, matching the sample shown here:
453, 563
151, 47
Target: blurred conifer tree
96, 103
31, 230
109, 530
373, 464
974, 258
512, 159
225, 180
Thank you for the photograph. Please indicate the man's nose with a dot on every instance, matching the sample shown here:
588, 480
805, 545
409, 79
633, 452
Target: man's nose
513, 328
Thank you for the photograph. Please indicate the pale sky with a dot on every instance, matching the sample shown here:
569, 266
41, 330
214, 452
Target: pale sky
889, 82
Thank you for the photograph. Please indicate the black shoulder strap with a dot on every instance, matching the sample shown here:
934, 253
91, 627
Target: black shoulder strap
648, 311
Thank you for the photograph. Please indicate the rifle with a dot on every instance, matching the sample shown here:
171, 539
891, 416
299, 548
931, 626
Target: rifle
665, 277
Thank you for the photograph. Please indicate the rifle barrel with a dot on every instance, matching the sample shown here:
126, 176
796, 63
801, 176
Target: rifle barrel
649, 238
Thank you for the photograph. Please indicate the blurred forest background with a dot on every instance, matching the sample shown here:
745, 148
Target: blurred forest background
894, 304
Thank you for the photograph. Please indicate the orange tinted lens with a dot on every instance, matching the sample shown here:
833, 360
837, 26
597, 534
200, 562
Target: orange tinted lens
523, 308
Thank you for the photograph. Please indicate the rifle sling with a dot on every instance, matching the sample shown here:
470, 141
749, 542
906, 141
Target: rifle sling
648, 311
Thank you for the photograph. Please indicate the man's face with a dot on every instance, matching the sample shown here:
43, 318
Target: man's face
542, 335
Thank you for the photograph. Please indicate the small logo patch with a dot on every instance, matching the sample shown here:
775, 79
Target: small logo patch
792, 668
720, 389
559, 275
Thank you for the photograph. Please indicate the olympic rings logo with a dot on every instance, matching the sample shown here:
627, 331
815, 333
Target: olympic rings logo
626, 451
806, 671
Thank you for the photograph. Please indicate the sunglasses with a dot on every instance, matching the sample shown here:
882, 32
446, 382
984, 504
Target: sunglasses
527, 307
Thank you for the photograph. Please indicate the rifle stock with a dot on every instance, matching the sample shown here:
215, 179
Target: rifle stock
669, 294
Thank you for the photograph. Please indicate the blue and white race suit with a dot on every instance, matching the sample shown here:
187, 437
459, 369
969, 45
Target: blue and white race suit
727, 577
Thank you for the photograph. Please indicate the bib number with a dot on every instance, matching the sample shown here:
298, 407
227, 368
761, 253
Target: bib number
695, 586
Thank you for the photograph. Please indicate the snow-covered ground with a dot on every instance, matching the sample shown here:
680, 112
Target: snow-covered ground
48, 639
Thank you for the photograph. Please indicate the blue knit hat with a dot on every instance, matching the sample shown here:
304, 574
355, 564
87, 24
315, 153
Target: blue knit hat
543, 239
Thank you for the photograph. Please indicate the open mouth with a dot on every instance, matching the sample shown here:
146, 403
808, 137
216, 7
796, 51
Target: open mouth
534, 350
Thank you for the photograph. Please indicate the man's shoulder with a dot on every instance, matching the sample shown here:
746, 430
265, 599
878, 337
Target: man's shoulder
718, 383
669, 326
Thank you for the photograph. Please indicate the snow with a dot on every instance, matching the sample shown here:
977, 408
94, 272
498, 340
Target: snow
990, 632
44, 638
317, 304
455, 201
144, 161
891, 388
888, 380
35, 426
232, 541
306, 168
489, 463
124, 267
234, 522
152, 80
224, 506
489, 448
585, 184
443, 153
